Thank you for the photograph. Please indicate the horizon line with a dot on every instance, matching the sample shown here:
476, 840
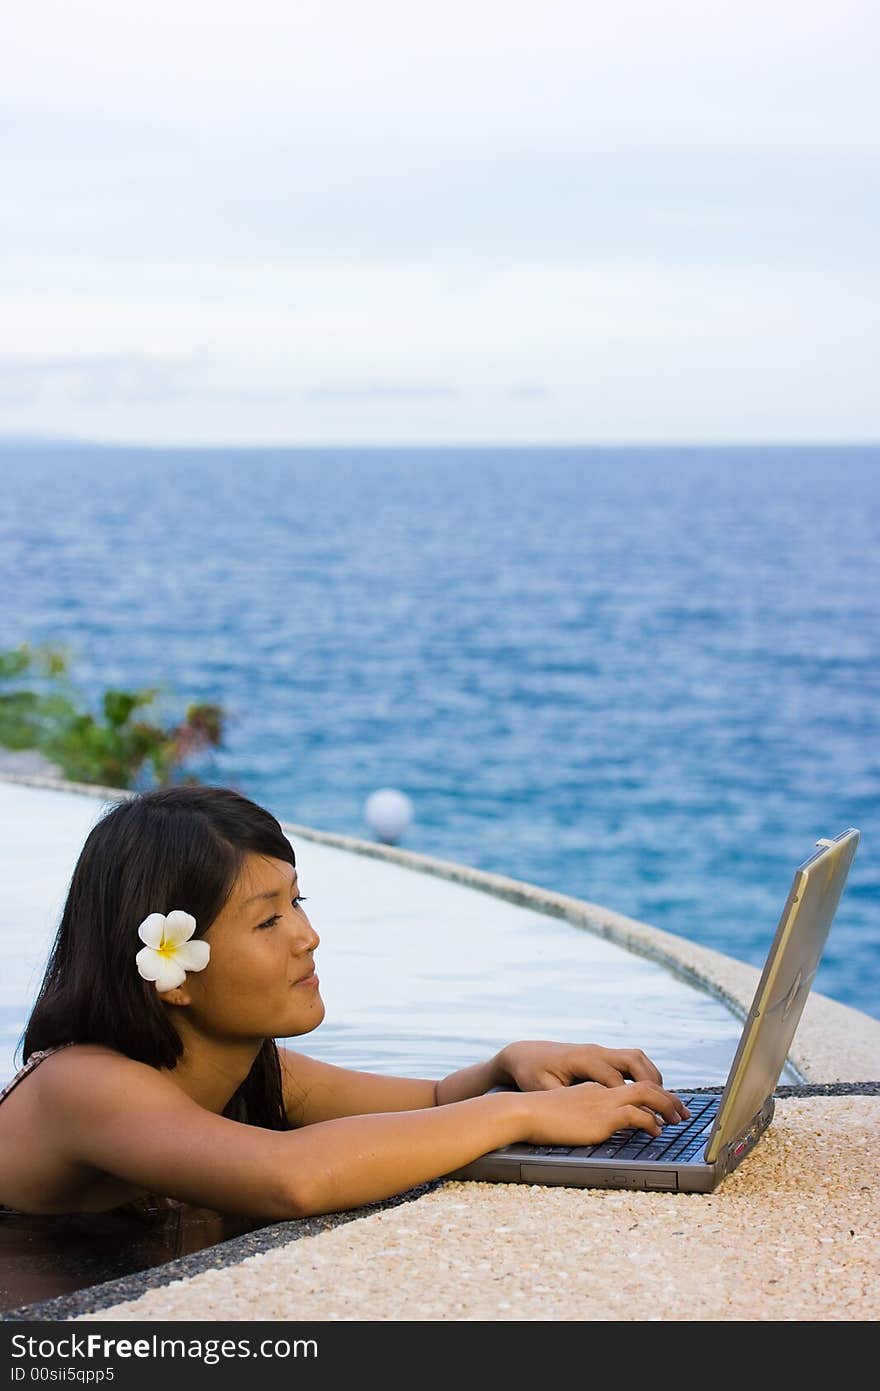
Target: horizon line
24, 439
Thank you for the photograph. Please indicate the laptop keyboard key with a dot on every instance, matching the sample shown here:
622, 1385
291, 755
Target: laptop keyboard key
655, 1151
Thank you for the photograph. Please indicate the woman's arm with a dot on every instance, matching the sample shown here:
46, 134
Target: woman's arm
318, 1091
362, 1159
117, 1117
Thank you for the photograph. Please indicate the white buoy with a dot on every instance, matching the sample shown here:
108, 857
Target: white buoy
388, 813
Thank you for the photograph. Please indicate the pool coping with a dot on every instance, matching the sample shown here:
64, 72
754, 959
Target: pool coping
838, 1050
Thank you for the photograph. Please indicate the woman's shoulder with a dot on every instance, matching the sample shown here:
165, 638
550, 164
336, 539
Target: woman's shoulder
75, 1056
69, 1095
88, 1069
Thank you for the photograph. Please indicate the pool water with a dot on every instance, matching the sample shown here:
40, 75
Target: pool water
48, 1257
420, 975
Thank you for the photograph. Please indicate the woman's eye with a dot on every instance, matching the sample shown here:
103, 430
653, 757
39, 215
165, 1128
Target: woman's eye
294, 903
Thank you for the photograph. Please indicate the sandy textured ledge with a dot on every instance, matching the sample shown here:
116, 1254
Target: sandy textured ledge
793, 1234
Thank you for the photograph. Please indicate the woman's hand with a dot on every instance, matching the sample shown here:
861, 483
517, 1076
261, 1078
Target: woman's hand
587, 1092
588, 1113
536, 1066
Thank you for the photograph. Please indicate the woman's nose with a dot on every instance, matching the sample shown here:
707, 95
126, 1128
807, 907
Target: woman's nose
304, 935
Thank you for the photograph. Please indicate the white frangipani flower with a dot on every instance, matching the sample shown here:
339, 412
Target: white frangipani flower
169, 953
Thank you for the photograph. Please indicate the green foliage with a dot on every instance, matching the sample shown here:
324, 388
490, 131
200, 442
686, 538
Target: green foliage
118, 748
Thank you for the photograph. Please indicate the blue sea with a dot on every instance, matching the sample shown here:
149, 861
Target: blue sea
647, 677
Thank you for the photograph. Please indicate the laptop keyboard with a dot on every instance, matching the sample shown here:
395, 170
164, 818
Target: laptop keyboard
683, 1142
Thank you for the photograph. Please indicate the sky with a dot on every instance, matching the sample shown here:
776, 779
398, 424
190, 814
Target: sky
481, 221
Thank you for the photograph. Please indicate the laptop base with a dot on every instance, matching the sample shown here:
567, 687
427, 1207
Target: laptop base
579, 1168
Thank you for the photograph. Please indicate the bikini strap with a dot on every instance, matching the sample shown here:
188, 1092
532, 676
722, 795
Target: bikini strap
33, 1061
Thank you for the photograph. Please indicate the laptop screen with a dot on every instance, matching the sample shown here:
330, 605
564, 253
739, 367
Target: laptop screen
783, 988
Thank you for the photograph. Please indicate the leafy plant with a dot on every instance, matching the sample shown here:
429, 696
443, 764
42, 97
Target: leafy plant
118, 746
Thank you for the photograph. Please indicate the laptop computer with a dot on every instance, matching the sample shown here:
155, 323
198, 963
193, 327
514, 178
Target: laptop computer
695, 1155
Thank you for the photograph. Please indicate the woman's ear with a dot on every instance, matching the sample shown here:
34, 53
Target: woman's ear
178, 996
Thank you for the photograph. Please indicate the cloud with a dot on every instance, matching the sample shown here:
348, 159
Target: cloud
116, 379
132, 379
473, 219
378, 392
510, 74
529, 393
92, 380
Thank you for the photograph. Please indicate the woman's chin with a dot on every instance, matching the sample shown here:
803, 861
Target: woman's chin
307, 1021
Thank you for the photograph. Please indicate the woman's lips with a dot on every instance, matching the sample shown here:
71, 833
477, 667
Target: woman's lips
310, 979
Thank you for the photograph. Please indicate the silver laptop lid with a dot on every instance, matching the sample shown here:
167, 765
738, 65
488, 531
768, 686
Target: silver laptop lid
785, 983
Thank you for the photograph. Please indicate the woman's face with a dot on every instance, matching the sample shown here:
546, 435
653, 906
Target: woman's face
260, 980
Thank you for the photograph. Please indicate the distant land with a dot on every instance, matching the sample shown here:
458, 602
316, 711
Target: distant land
35, 441
24, 440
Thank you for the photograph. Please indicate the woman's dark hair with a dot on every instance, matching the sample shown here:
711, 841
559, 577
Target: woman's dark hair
177, 847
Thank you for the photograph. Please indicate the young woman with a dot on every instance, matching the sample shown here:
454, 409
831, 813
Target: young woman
182, 954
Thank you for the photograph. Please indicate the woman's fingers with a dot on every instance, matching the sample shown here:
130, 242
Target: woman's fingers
592, 1111
648, 1094
606, 1074
637, 1065
637, 1118
552, 1065
545, 1081
612, 1066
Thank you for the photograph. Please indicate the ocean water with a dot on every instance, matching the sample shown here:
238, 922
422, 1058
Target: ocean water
648, 677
